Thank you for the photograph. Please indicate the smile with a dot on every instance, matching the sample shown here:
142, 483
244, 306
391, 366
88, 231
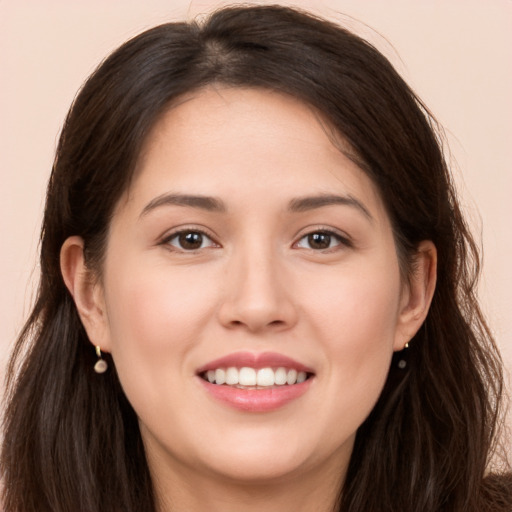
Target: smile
255, 382
254, 378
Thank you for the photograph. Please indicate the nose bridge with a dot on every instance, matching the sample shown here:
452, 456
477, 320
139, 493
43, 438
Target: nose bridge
256, 296
258, 282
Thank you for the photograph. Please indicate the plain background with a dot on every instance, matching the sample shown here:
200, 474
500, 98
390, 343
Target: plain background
456, 54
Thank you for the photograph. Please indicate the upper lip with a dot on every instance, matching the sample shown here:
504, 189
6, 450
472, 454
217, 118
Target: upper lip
254, 360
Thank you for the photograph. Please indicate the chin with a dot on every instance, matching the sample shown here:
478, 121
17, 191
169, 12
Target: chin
263, 456
258, 468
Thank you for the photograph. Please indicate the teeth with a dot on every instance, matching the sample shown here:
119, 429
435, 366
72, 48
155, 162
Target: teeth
250, 377
231, 376
247, 377
291, 377
220, 376
280, 376
265, 377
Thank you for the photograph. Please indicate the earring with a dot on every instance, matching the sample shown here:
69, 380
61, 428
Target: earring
403, 363
101, 365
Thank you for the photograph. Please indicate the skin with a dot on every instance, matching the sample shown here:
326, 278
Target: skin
256, 284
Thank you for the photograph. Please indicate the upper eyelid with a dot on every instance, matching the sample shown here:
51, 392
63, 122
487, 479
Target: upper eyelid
344, 240
170, 234
341, 235
323, 229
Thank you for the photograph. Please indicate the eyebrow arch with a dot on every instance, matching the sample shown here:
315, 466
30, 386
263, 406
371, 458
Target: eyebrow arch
208, 203
302, 204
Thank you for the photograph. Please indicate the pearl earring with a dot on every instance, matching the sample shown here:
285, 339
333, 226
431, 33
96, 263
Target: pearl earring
403, 363
101, 365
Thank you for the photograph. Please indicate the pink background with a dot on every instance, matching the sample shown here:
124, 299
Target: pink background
456, 54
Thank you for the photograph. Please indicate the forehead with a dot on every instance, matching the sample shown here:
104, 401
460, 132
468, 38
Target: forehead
221, 140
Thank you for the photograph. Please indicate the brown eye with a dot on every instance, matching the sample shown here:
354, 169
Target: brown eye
322, 240
190, 241
319, 240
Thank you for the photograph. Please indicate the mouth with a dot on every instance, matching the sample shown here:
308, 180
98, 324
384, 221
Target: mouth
247, 377
255, 382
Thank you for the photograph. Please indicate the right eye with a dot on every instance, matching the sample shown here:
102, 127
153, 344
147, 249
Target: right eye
323, 240
189, 240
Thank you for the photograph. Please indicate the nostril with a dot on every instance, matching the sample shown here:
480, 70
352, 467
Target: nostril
273, 323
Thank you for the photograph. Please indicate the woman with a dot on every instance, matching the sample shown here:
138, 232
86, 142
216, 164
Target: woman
257, 289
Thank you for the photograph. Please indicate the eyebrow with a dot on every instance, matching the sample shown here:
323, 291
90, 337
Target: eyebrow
302, 204
211, 204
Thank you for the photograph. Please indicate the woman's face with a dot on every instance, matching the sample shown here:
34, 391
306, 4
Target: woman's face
247, 240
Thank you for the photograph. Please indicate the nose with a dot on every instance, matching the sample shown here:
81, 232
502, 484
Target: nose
258, 293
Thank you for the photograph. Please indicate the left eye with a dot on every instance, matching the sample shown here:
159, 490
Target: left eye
190, 240
320, 240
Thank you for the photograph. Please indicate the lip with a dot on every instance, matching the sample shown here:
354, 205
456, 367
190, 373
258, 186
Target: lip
255, 400
254, 360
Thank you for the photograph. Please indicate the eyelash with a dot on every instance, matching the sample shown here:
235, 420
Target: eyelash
189, 231
340, 239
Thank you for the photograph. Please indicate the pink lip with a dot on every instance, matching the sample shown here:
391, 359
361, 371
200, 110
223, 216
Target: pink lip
255, 400
262, 360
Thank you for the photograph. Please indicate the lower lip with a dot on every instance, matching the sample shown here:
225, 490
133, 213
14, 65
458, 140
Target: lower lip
257, 400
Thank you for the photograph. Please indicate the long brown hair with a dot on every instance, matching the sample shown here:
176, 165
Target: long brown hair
72, 440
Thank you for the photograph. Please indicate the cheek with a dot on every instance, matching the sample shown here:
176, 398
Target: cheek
155, 311
358, 310
157, 319
356, 322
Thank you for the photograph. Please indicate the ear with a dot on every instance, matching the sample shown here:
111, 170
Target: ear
86, 291
417, 294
